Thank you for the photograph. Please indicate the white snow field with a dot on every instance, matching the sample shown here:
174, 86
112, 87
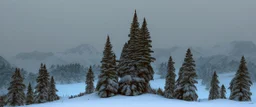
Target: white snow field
149, 100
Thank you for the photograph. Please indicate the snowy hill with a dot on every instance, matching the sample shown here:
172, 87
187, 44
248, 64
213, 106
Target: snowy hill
148, 100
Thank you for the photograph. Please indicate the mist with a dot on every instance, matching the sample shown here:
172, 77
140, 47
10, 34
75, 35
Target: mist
55, 25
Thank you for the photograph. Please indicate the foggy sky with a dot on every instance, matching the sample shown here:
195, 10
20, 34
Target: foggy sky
56, 25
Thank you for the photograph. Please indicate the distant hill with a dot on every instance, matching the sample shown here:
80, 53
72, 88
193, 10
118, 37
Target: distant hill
84, 54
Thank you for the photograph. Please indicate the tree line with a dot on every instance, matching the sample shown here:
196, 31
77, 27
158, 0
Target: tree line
44, 91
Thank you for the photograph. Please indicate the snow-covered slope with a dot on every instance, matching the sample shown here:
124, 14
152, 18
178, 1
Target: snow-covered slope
149, 100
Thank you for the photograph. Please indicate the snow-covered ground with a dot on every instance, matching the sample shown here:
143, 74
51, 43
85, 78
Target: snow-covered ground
148, 100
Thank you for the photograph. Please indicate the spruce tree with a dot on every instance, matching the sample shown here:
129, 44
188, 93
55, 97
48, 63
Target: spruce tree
223, 92
170, 80
42, 87
30, 95
241, 83
132, 79
214, 91
89, 81
16, 95
160, 92
185, 85
122, 65
144, 55
52, 96
107, 85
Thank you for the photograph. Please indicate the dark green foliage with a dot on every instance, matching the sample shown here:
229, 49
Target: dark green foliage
185, 85
67, 74
52, 93
42, 87
107, 85
223, 92
160, 92
122, 65
241, 83
170, 80
214, 91
30, 95
131, 70
89, 81
134, 67
144, 54
16, 95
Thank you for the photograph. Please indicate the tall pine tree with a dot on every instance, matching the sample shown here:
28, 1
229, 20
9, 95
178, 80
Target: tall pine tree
185, 88
170, 80
122, 65
16, 95
30, 95
145, 57
241, 83
223, 92
107, 85
214, 91
133, 81
52, 96
42, 87
89, 81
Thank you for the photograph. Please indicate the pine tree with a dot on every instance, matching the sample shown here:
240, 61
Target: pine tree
214, 91
42, 87
122, 65
185, 85
241, 83
108, 80
89, 81
170, 80
30, 95
160, 92
133, 81
16, 95
144, 55
223, 92
52, 96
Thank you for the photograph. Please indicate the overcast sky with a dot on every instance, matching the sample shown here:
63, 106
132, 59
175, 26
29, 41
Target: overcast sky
55, 25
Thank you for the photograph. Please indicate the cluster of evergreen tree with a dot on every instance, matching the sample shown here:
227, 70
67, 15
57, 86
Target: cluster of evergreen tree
67, 74
239, 85
216, 92
45, 90
134, 68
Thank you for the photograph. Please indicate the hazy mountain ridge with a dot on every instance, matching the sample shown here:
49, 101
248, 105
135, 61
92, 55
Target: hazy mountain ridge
84, 54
